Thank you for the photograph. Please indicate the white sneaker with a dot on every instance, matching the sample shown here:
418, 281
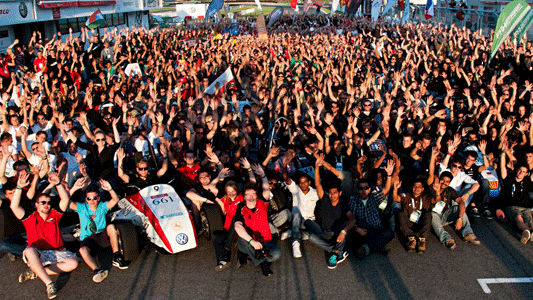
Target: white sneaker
296, 249
526, 235
286, 234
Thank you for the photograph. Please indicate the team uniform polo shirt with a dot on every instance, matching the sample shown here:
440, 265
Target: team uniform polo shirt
43, 234
231, 209
86, 215
255, 221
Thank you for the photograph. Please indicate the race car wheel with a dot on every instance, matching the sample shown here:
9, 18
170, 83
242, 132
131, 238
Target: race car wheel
128, 240
212, 220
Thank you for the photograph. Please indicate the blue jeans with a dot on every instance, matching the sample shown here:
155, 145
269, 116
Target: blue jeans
463, 191
325, 239
15, 244
297, 224
278, 219
271, 249
448, 216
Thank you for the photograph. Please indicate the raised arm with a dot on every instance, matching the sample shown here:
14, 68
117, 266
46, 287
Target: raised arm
318, 184
22, 182
106, 186
121, 155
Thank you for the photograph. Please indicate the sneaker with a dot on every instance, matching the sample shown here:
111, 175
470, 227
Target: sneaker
27, 275
12, 257
475, 212
296, 249
265, 268
221, 266
118, 261
421, 245
305, 236
450, 244
285, 235
411, 244
487, 214
332, 262
99, 275
526, 235
51, 290
341, 256
472, 239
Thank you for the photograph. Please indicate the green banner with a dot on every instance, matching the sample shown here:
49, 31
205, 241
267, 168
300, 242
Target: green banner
511, 15
523, 27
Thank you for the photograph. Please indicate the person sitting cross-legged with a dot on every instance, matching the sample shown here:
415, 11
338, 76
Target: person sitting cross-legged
96, 234
337, 220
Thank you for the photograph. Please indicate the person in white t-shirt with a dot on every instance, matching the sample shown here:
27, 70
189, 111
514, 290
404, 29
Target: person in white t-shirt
304, 199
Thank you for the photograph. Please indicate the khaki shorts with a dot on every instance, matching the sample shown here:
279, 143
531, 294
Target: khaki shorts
50, 257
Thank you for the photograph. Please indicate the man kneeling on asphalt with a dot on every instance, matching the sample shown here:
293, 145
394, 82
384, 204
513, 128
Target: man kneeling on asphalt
95, 234
252, 227
45, 255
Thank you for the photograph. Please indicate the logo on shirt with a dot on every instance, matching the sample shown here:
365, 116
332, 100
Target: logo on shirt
50, 220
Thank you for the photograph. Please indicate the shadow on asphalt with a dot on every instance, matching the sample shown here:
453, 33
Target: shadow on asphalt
515, 262
379, 275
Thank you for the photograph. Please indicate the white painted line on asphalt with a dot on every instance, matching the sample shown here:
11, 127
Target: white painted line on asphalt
484, 282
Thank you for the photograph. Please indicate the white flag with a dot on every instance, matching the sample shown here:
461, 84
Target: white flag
258, 5
389, 5
406, 12
227, 76
334, 7
376, 7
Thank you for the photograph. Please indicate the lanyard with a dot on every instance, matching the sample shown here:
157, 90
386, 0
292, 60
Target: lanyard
413, 202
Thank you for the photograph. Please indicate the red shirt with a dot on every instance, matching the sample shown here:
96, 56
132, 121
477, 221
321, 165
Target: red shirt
231, 209
256, 221
44, 234
40, 63
191, 173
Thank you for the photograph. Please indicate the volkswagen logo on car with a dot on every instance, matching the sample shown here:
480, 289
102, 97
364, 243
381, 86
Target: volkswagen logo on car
182, 238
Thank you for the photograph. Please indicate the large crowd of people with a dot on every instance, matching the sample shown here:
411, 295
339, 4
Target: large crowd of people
335, 130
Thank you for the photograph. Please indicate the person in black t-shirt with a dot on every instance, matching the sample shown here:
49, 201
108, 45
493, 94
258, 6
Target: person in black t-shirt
337, 220
516, 193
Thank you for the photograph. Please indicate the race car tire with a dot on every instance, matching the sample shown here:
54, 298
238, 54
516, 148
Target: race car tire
211, 219
128, 240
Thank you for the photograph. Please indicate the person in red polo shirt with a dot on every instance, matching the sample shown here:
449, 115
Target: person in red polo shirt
251, 225
45, 255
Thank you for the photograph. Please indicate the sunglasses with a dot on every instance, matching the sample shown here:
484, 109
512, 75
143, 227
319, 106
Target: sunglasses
46, 202
92, 198
363, 188
457, 166
142, 169
100, 140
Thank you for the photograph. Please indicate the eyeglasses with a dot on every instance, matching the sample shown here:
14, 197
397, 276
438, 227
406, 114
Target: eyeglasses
100, 140
142, 169
363, 188
40, 119
271, 182
46, 202
200, 132
92, 198
457, 166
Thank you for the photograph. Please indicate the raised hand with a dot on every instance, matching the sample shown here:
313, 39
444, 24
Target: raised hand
245, 163
105, 185
53, 178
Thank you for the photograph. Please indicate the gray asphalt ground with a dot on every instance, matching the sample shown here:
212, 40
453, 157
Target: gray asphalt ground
438, 274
